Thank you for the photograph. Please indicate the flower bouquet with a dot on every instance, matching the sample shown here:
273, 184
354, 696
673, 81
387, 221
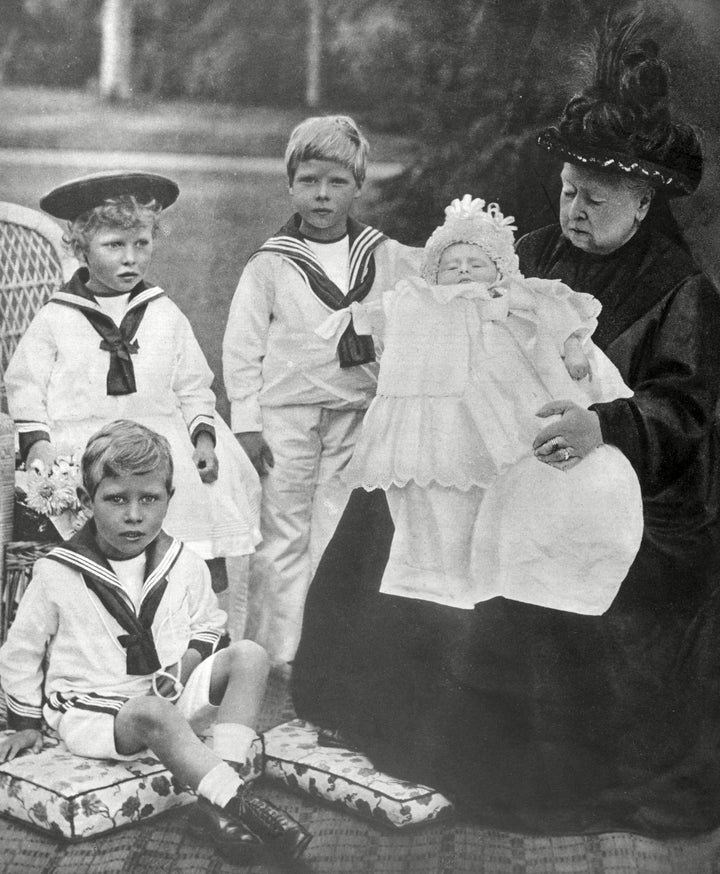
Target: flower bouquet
47, 507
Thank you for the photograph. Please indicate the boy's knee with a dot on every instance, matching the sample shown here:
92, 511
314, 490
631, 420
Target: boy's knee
246, 654
148, 714
142, 722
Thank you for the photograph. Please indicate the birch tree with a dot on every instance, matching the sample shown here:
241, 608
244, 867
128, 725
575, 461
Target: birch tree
313, 54
117, 18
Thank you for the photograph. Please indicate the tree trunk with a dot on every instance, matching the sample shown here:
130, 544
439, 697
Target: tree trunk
6, 51
116, 55
314, 53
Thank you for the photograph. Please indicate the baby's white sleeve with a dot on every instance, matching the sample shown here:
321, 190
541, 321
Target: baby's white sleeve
561, 312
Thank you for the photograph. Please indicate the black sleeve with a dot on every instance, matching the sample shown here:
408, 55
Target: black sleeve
675, 377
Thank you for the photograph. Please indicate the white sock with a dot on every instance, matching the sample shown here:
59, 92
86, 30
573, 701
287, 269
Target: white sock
220, 784
232, 741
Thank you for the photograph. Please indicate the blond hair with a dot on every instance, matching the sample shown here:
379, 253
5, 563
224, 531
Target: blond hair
125, 447
328, 138
123, 212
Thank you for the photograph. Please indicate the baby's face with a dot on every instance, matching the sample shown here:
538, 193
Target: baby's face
465, 262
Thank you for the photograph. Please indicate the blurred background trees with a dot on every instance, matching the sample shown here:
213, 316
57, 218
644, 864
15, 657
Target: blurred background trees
471, 81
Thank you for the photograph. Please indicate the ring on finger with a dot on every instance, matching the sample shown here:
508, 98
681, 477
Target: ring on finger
566, 453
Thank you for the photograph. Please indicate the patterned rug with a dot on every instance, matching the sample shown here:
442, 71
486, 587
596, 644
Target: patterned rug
343, 844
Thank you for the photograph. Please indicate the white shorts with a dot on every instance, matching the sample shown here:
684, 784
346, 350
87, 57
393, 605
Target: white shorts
91, 733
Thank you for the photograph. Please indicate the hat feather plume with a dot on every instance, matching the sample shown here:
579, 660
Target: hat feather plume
626, 95
614, 42
620, 121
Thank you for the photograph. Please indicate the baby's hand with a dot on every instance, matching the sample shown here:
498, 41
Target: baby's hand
17, 741
576, 362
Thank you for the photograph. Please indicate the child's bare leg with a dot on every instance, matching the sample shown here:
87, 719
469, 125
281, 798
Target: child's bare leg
237, 687
576, 361
148, 722
238, 682
238, 822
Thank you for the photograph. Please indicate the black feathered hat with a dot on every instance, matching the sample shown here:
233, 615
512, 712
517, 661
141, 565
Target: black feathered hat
620, 122
71, 199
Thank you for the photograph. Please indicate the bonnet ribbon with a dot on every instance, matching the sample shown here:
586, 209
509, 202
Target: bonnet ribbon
118, 341
81, 553
289, 242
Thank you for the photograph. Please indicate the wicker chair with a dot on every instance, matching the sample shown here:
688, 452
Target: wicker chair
33, 265
7, 487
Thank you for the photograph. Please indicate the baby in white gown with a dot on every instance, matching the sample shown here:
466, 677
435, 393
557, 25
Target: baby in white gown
472, 350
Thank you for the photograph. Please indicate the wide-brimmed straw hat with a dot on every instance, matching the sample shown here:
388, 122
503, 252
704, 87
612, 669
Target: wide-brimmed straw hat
72, 199
620, 122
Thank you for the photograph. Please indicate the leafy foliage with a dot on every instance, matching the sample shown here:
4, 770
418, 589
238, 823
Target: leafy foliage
471, 80
494, 73
56, 42
249, 52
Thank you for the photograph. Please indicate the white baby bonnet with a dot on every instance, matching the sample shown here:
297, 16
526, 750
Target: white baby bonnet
467, 220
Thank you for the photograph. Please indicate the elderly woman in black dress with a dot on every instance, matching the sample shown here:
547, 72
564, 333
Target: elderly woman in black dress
532, 718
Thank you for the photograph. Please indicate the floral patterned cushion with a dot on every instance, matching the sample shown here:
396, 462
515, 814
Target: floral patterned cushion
75, 797
347, 779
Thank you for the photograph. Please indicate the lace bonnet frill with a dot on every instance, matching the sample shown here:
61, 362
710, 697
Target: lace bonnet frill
468, 220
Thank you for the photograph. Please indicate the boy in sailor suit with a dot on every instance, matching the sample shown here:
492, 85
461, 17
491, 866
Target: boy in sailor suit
109, 345
298, 399
127, 624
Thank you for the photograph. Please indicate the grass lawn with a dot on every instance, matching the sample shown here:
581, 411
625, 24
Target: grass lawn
55, 119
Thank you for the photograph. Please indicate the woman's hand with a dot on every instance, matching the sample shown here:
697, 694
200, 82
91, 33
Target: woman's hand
565, 442
205, 459
257, 450
12, 744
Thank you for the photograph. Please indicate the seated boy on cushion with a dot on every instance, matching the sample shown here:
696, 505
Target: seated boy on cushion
127, 624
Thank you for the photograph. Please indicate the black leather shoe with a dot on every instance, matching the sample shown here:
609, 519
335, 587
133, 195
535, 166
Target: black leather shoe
233, 841
277, 829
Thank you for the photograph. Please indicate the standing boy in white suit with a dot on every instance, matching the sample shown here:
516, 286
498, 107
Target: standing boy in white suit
298, 398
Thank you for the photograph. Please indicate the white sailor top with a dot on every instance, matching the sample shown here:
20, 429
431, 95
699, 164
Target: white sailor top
272, 355
75, 365
100, 650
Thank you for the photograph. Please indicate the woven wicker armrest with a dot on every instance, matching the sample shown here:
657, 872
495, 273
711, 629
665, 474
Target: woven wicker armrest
20, 557
33, 265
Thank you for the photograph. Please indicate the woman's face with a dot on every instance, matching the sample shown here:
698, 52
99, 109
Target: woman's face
598, 212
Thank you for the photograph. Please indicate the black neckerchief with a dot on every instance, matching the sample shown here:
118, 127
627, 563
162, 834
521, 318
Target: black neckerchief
118, 341
363, 240
81, 552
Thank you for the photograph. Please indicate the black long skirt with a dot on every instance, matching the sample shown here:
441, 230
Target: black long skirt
530, 719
